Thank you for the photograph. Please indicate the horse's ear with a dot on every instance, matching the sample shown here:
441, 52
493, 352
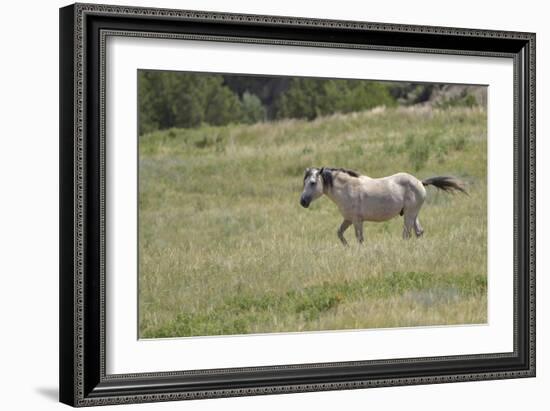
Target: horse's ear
307, 173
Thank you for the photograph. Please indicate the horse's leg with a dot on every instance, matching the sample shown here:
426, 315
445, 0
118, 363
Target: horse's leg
412, 207
418, 228
406, 232
343, 227
408, 223
358, 225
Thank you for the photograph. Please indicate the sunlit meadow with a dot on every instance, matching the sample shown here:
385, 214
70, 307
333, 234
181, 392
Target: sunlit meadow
226, 248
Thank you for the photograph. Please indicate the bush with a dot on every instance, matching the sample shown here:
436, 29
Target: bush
185, 100
252, 108
463, 100
310, 98
171, 99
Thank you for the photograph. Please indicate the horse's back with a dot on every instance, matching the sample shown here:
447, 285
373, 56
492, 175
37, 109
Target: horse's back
407, 186
413, 187
402, 178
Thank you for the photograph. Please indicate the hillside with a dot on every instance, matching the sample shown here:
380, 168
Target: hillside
225, 247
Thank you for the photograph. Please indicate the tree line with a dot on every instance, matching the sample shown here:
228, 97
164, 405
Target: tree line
169, 99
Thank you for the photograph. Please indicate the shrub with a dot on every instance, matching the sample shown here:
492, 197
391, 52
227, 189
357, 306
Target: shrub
310, 98
464, 100
252, 108
171, 99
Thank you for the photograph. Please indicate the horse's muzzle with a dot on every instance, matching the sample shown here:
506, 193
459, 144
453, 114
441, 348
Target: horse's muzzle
304, 202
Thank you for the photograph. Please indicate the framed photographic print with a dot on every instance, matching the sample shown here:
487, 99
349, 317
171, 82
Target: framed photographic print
262, 204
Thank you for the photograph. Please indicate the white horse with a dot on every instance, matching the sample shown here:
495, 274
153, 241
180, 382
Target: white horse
361, 198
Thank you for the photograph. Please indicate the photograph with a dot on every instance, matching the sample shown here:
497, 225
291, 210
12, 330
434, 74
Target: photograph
285, 204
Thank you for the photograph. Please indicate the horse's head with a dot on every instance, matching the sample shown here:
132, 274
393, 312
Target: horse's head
313, 186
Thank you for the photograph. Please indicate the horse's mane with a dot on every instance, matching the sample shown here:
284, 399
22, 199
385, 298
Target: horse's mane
345, 170
326, 174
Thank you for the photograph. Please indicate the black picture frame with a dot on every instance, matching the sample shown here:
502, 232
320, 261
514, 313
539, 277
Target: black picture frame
83, 381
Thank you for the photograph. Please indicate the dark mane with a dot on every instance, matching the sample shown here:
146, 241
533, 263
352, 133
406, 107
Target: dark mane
345, 170
326, 174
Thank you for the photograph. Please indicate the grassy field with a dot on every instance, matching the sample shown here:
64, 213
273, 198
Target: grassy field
225, 247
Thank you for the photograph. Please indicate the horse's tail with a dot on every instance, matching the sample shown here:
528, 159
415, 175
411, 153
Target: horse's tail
446, 183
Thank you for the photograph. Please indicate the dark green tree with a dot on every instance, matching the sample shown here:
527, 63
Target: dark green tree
309, 98
252, 108
174, 99
171, 99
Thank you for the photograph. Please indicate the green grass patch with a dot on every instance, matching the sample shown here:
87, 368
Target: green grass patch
241, 314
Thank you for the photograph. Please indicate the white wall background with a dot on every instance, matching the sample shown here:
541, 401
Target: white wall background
29, 204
